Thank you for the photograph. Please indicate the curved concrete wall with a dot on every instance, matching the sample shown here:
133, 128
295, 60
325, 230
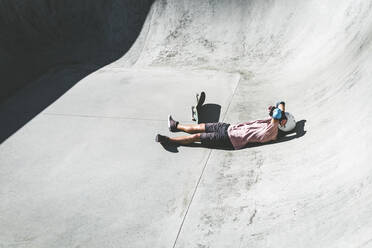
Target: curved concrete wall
317, 56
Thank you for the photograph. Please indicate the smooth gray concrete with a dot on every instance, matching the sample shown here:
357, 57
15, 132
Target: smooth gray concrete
145, 94
105, 189
86, 171
91, 154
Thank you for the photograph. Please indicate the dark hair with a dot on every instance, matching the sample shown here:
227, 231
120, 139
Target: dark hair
271, 110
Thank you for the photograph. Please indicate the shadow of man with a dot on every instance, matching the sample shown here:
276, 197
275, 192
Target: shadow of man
297, 132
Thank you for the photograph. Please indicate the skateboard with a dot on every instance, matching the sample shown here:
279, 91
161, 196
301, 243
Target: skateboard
195, 110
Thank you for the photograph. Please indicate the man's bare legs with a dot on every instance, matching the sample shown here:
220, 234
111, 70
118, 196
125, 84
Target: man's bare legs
191, 128
186, 140
194, 129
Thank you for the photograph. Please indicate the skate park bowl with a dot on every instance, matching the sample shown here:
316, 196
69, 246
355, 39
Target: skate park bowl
86, 86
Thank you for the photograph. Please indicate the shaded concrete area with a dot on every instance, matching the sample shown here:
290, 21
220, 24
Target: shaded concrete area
86, 171
47, 46
40, 35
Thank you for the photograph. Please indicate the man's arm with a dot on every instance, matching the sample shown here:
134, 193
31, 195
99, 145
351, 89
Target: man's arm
273, 121
281, 106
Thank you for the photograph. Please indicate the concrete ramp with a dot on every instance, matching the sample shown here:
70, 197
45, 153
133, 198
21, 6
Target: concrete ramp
86, 171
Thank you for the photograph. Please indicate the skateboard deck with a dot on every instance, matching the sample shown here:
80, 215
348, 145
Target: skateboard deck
195, 110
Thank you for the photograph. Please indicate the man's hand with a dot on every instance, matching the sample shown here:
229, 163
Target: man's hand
281, 106
283, 120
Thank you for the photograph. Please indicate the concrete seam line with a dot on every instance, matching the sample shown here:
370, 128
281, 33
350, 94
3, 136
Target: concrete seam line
107, 117
202, 173
192, 198
232, 97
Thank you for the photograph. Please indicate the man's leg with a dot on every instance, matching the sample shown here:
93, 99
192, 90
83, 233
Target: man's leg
191, 128
175, 126
186, 140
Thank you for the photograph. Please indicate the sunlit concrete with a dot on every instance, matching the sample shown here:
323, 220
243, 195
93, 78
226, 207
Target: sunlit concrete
86, 172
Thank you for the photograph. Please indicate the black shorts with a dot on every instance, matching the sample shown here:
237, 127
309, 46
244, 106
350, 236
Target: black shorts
216, 135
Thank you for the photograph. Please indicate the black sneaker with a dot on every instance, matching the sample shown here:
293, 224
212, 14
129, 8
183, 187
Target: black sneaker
172, 124
162, 139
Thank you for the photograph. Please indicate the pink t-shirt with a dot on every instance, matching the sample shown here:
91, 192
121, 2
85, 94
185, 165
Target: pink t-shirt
251, 132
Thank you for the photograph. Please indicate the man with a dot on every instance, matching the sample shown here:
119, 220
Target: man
228, 136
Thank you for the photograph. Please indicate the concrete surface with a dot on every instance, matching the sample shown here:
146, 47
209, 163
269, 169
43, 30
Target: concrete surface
86, 171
